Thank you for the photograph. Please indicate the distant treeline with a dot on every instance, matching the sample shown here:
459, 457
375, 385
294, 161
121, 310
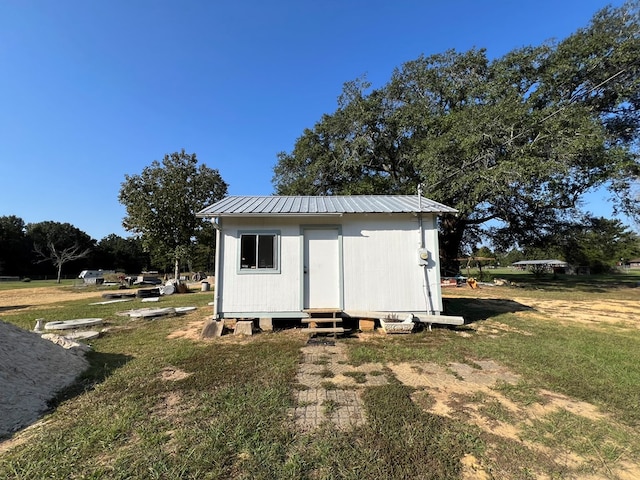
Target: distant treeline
25, 251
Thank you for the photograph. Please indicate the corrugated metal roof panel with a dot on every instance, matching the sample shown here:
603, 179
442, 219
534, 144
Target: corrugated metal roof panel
540, 262
310, 205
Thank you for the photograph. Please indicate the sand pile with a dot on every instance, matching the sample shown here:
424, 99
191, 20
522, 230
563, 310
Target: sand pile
32, 371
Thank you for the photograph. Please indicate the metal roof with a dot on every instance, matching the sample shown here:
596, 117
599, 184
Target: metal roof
321, 205
541, 262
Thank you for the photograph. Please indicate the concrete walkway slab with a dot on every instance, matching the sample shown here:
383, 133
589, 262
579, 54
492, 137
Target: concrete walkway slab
330, 388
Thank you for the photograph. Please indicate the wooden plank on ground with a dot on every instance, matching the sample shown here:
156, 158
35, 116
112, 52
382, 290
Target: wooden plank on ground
443, 319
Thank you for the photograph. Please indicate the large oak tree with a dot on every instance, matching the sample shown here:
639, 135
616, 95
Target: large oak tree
518, 139
162, 202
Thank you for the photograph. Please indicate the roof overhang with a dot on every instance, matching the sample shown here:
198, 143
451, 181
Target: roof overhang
329, 206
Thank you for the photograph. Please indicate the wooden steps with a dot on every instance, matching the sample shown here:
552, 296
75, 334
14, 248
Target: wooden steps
323, 330
323, 316
320, 320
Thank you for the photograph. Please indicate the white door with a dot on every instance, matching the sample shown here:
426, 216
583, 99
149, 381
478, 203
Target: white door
321, 268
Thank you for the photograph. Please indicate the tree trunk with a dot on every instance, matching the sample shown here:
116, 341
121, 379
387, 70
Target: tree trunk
452, 231
176, 269
59, 272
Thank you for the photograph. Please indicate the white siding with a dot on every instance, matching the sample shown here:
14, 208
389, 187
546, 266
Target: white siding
380, 270
260, 292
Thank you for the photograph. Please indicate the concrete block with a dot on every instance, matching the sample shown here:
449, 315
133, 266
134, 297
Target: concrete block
266, 324
212, 328
366, 325
243, 327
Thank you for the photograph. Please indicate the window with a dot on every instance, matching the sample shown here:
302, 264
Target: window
258, 251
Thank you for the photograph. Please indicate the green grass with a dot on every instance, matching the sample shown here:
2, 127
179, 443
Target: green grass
329, 406
563, 429
595, 366
399, 441
124, 427
230, 416
522, 392
358, 377
559, 286
226, 420
81, 308
325, 373
35, 284
495, 410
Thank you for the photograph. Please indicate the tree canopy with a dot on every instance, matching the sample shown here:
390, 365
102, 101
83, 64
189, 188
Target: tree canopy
518, 139
14, 247
595, 242
121, 254
162, 202
59, 243
24, 250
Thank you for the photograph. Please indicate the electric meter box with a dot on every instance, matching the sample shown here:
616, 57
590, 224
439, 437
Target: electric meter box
423, 256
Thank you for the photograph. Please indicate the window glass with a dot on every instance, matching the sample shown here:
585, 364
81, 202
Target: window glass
248, 251
266, 251
258, 251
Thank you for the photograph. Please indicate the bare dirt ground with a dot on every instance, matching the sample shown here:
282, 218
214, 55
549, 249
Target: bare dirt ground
623, 313
34, 298
621, 310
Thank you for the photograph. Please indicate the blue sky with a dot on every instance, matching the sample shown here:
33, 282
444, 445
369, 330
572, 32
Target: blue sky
91, 91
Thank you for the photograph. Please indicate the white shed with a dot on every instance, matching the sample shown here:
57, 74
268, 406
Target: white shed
369, 256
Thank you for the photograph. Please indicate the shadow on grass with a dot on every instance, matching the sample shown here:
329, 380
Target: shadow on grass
101, 366
14, 307
473, 309
585, 283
